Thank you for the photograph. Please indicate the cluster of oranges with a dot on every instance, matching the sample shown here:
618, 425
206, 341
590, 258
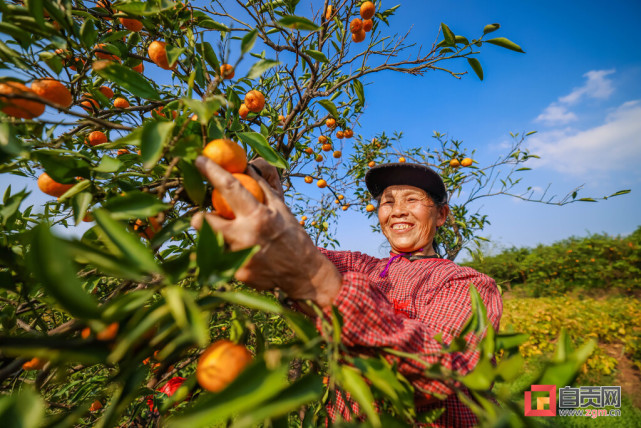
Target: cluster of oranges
231, 157
359, 27
14, 97
254, 102
455, 163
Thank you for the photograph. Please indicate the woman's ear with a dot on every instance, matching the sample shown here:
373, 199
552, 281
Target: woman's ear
443, 212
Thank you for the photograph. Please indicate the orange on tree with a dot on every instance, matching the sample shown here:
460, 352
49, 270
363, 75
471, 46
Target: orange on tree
337, 154
255, 101
340, 135
34, 364
319, 158
359, 36
356, 25
344, 207
159, 112
330, 123
322, 139
348, 133
97, 137
369, 208
19, 107
308, 179
121, 102
337, 201
321, 183
130, 24
95, 406
367, 25
467, 162
371, 164
226, 153
51, 187
52, 90
149, 229
158, 54
106, 91
220, 204
329, 12
76, 62
340, 197
139, 68
109, 333
454, 163
281, 120
243, 111
89, 103
327, 147
304, 218
367, 10
309, 150
88, 217
103, 54
227, 71
220, 364
85, 333
401, 159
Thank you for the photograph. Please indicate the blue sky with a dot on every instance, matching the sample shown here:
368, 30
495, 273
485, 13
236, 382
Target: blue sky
578, 86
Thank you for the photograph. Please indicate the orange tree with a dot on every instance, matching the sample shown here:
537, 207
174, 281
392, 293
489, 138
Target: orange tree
108, 105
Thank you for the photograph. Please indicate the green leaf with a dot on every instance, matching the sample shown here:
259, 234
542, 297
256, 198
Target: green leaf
115, 265
173, 53
134, 204
210, 24
170, 230
490, 28
260, 67
244, 395
77, 188
11, 204
448, 35
24, 409
108, 164
476, 66
128, 244
122, 306
461, 40
481, 377
80, 203
154, 136
62, 168
298, 23
620, 192
36, 9
247, 43
210, 56
509, 341
382, 377
317, 55
330, 107
205, 109
88, 33
9, 144
505, 43
51, 265
359, 390
509, 369
193, 182
260, 145
145, 8
128, 79
586, 200
360, 93
251, 300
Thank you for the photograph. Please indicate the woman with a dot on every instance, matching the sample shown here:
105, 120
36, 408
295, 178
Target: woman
401, 302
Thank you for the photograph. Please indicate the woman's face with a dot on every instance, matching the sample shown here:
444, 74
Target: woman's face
409, 218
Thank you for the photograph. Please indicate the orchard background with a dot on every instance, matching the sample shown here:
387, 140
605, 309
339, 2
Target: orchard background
106, 329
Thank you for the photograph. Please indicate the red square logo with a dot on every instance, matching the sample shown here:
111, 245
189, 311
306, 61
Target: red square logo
541, 402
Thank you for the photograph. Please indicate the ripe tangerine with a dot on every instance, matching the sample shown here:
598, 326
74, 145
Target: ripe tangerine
454, 163
220, 204
359, 36
322, 139
34, 364
255, 101
139, 68
371, 164
52, 90
348, 133
17, 107
367, 10
96, 137
337, 154
340, 135
121, 103
132, 25
220, 364
243, 111
106, 91
227, 71
401, 160
369, 208
321, 183
226, 153
51, 187
356, 25
308, 179
367, 25
330, 123
158, 54
327, 147
467, 162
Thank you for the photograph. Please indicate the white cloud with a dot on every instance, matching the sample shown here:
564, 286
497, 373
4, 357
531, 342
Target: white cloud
596, 86
601, 149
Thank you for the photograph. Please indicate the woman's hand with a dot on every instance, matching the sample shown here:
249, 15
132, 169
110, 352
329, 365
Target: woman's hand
287, 258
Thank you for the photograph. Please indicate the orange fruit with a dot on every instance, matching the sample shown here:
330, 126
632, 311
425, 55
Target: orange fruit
109, 333
321, 183
76, 62
344, 207
147, 230
329, 12
227, 71
319, 158
17, 107
105, 54
121, 103
220, 364
106, 91
401, 160
322, 139
159, 112
369, 208
359, 36
309, 150
89, 104
330, 123
255, 101
303, 218
337, 154
131, 24
220, 204
327, 147
313, 223
454, 163
367, 25
367, 10
337, 201
139, 68
348, 133
371, 164
85, 333
467, 162
226, 153
122, 152
88, 217
52, 90
243, 111
34, 364
96, 137
308, 179
281, 120
340, 197
95, 406
340, 134
51, 187
158, 54
356, 25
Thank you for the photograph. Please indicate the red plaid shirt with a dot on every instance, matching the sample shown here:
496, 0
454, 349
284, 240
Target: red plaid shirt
404, 310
